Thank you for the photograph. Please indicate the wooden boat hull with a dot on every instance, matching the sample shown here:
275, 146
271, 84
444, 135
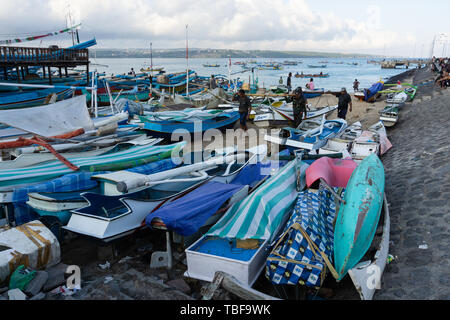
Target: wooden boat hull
358, 217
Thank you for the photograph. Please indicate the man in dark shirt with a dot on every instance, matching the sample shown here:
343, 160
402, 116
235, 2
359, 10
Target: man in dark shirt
289, 82
344, 101
245, 107
299, 105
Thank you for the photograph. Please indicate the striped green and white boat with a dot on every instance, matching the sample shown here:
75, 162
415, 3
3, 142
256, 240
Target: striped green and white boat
124, 159
260, 215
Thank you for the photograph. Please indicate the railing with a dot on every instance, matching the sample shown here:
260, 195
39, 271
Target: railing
22, 54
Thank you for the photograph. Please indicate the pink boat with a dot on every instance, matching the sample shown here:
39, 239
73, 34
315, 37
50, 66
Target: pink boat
335, 172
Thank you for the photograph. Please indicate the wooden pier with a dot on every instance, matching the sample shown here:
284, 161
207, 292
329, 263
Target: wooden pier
22, 59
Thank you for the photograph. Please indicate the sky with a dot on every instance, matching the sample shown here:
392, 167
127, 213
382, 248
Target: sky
382, 27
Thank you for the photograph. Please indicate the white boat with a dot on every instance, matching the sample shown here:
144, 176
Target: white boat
309, 135
133, 196
286, 111
389, 116
343, 142
30, 156
397, 98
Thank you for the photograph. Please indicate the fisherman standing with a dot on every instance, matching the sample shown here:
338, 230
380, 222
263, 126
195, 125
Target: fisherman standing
299, 105
289, 82
344, 100
280, 81
245, 108
212, 83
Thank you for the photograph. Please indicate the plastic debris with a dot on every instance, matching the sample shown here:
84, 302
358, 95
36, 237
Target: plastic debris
390, 258
105, 266
108, 279
123, 260
65, 291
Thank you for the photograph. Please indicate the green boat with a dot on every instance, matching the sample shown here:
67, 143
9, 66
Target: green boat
389, 116
103, 99
359, 214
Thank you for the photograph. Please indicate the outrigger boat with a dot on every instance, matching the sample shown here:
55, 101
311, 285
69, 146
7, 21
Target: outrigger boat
389, 116
311, 135
323, 75
237, 244
136, 195
188, 121
343, 142
358, 215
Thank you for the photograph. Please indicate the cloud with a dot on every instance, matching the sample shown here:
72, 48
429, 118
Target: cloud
237, 24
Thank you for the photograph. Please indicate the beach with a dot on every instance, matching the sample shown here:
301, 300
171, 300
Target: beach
417, 195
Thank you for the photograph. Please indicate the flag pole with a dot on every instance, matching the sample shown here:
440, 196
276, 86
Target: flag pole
187, 64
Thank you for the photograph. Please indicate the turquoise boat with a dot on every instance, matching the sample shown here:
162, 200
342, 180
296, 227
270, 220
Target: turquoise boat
359, 215
32, 98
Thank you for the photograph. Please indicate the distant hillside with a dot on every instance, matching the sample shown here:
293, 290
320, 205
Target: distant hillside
215, 53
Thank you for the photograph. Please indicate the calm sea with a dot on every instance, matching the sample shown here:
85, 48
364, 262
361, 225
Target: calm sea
342, 74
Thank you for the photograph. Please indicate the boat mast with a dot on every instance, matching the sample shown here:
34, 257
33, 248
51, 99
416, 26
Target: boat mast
187, 64
151, 70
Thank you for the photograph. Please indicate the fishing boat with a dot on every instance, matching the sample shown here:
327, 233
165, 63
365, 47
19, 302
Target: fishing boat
290, 63
238, 243
397, 98
309, 94
152, 69
303, 254
10, 179
311, 135
320, 75
343, 142
136, 94
110, 217
358, 215
389, 116
211, 65
317, 66
33, 98
371, 94
188, 121
287, 112
59, 204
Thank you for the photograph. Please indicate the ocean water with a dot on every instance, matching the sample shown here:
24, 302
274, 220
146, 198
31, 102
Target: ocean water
341, 75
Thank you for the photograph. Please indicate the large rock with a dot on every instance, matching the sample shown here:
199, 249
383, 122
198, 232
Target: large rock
180, 285
56, 277
35, 285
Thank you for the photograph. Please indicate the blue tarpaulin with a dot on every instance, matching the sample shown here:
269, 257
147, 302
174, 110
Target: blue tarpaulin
253, 173
187, 214
373, 90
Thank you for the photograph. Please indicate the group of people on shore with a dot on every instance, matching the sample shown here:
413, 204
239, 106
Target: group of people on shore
442, 66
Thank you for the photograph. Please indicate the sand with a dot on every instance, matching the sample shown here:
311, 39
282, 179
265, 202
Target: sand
365, 112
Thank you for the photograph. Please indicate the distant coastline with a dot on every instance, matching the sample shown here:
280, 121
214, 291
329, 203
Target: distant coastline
218, 54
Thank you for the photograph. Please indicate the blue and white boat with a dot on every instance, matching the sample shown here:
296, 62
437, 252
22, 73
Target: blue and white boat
311, 134
188, 121
131, 196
